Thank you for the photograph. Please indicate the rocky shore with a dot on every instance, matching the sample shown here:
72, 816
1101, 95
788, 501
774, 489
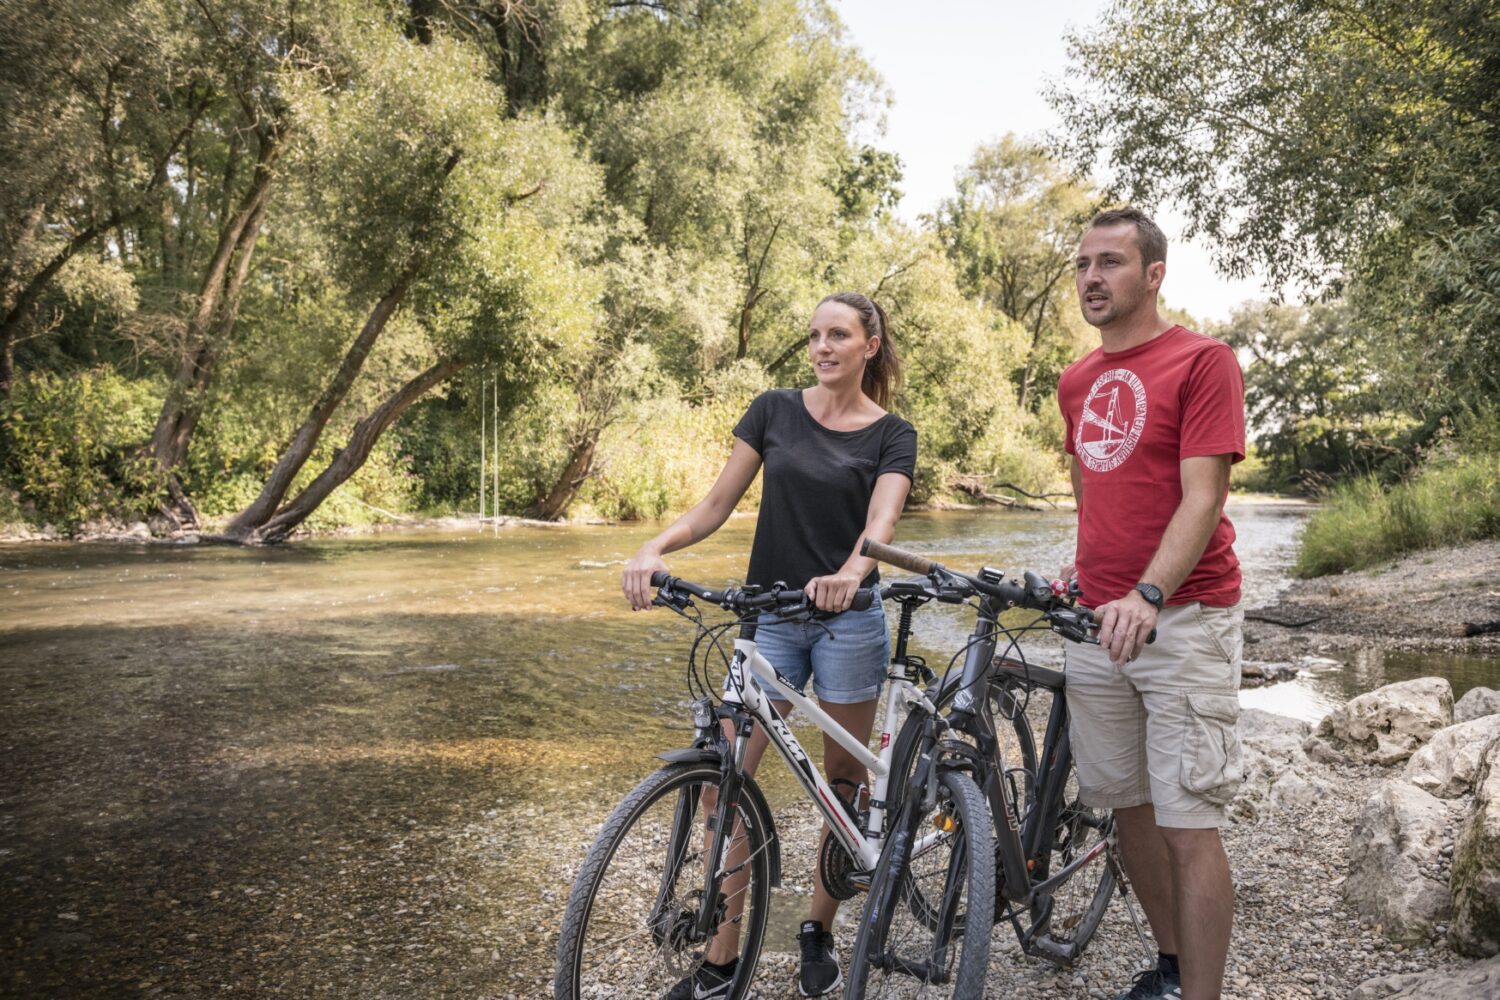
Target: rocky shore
1338, 894
1419, 603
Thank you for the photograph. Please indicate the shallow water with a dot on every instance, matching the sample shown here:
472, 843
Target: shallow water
352, 766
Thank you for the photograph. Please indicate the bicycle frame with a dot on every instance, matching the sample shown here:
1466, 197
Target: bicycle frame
745, 690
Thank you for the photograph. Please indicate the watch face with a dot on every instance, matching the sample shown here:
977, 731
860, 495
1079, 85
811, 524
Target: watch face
1151, 593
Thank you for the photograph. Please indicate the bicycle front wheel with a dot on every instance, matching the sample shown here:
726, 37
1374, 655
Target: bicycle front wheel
629, 929
925, 928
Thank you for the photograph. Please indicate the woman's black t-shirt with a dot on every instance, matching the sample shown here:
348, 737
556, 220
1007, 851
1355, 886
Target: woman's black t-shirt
816, 490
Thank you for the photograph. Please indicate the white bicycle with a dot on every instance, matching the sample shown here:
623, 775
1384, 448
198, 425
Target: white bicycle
660, 883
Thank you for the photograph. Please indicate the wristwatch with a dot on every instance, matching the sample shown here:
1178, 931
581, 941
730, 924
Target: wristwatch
1152, 593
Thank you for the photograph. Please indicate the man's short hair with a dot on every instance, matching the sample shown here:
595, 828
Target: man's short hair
1148, 235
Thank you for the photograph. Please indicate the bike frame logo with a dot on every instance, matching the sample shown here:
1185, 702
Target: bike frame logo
1112, 420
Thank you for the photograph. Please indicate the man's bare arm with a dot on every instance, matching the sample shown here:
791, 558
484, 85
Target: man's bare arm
1205, 481
1124, 624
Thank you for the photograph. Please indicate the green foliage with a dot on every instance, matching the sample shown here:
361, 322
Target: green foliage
70, 444
665, 453
1453, 498
1011, 231
1317, 412
1336, 146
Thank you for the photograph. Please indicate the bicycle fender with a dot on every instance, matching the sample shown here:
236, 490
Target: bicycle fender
749, 789
688, 755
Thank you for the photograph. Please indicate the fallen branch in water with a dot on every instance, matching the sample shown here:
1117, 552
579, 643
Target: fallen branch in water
977, 488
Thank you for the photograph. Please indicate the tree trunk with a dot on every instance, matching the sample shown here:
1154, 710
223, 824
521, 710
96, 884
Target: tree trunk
353, 455
306, 439
563, 492
170, 439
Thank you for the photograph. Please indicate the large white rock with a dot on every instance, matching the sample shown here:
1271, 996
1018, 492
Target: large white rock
1476, 703
1476, 866
1279, 776
1397, 834
1449, 762
1387, 725
1480, 981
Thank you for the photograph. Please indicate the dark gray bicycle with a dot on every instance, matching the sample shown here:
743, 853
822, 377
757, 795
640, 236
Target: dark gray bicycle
1056, 868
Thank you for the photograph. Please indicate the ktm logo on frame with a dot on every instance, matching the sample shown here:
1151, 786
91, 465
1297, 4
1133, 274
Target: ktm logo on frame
1114, 414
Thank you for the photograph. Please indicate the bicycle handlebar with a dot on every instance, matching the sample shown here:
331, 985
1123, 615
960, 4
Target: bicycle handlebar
1034, 593
745, 599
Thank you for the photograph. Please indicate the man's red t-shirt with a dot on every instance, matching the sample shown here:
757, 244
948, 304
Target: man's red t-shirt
1132, 417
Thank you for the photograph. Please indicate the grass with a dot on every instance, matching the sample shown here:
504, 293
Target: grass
1364, 524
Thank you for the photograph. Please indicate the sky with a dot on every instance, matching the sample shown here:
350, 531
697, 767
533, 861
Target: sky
963, 72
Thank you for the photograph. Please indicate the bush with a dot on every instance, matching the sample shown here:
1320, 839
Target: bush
1452, 499
74, 444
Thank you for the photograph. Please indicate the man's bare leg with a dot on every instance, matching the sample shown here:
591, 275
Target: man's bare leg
1204, 904
1148, 863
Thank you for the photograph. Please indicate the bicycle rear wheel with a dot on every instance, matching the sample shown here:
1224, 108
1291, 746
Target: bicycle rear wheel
925, 927
627, 928
1070, 915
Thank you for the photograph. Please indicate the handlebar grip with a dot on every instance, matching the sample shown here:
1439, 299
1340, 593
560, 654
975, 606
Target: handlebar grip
660, 577
899, 557
863, 598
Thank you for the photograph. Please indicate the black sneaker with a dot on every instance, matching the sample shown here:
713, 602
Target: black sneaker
706, 983
820, 963
1155, 984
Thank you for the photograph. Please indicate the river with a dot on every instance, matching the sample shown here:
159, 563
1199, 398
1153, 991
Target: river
349, 765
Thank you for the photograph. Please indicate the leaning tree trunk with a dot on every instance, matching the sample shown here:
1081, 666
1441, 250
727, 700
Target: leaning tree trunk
353, 455
574, 475
173, 433
305, 440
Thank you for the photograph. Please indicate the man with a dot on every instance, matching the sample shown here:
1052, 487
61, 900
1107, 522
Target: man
1155, 417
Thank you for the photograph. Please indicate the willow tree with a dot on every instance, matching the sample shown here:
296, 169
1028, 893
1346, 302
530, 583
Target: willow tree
100, 100
1336, 146
722, 131
1011, 230
433, 202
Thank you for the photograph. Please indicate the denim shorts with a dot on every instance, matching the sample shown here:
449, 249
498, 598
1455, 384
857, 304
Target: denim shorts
846, 655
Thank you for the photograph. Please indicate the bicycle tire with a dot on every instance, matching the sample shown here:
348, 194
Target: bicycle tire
638, 888
1014, 746
896, 952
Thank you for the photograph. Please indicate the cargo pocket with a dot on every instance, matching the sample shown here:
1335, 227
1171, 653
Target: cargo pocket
1211, 765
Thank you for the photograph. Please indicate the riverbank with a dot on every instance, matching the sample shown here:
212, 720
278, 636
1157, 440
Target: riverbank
158, 530
1419, 603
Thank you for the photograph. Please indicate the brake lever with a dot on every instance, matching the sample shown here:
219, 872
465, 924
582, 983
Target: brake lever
667, 598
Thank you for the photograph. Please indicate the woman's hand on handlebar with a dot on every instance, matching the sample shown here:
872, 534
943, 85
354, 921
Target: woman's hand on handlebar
635, 580
834, 592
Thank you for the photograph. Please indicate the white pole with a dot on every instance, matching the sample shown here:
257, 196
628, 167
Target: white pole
495, 465
482, 401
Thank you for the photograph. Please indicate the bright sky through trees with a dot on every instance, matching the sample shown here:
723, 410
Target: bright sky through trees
963, 72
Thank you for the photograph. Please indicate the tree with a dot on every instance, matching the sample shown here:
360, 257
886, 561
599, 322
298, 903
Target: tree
1011, 231
98, 98
429, 199
1316, 411
1336, 145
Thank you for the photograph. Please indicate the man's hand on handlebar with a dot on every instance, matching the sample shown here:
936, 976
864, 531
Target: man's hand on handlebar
1125, 626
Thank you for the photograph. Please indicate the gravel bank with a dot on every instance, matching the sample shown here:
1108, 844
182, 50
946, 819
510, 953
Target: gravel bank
1417, 603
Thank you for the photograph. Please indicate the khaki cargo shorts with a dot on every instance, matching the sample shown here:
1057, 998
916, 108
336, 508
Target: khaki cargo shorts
1162, 729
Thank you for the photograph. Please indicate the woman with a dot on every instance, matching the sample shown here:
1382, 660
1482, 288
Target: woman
838, 469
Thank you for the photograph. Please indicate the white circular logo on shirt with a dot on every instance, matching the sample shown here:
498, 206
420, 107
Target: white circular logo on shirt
1114, 414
